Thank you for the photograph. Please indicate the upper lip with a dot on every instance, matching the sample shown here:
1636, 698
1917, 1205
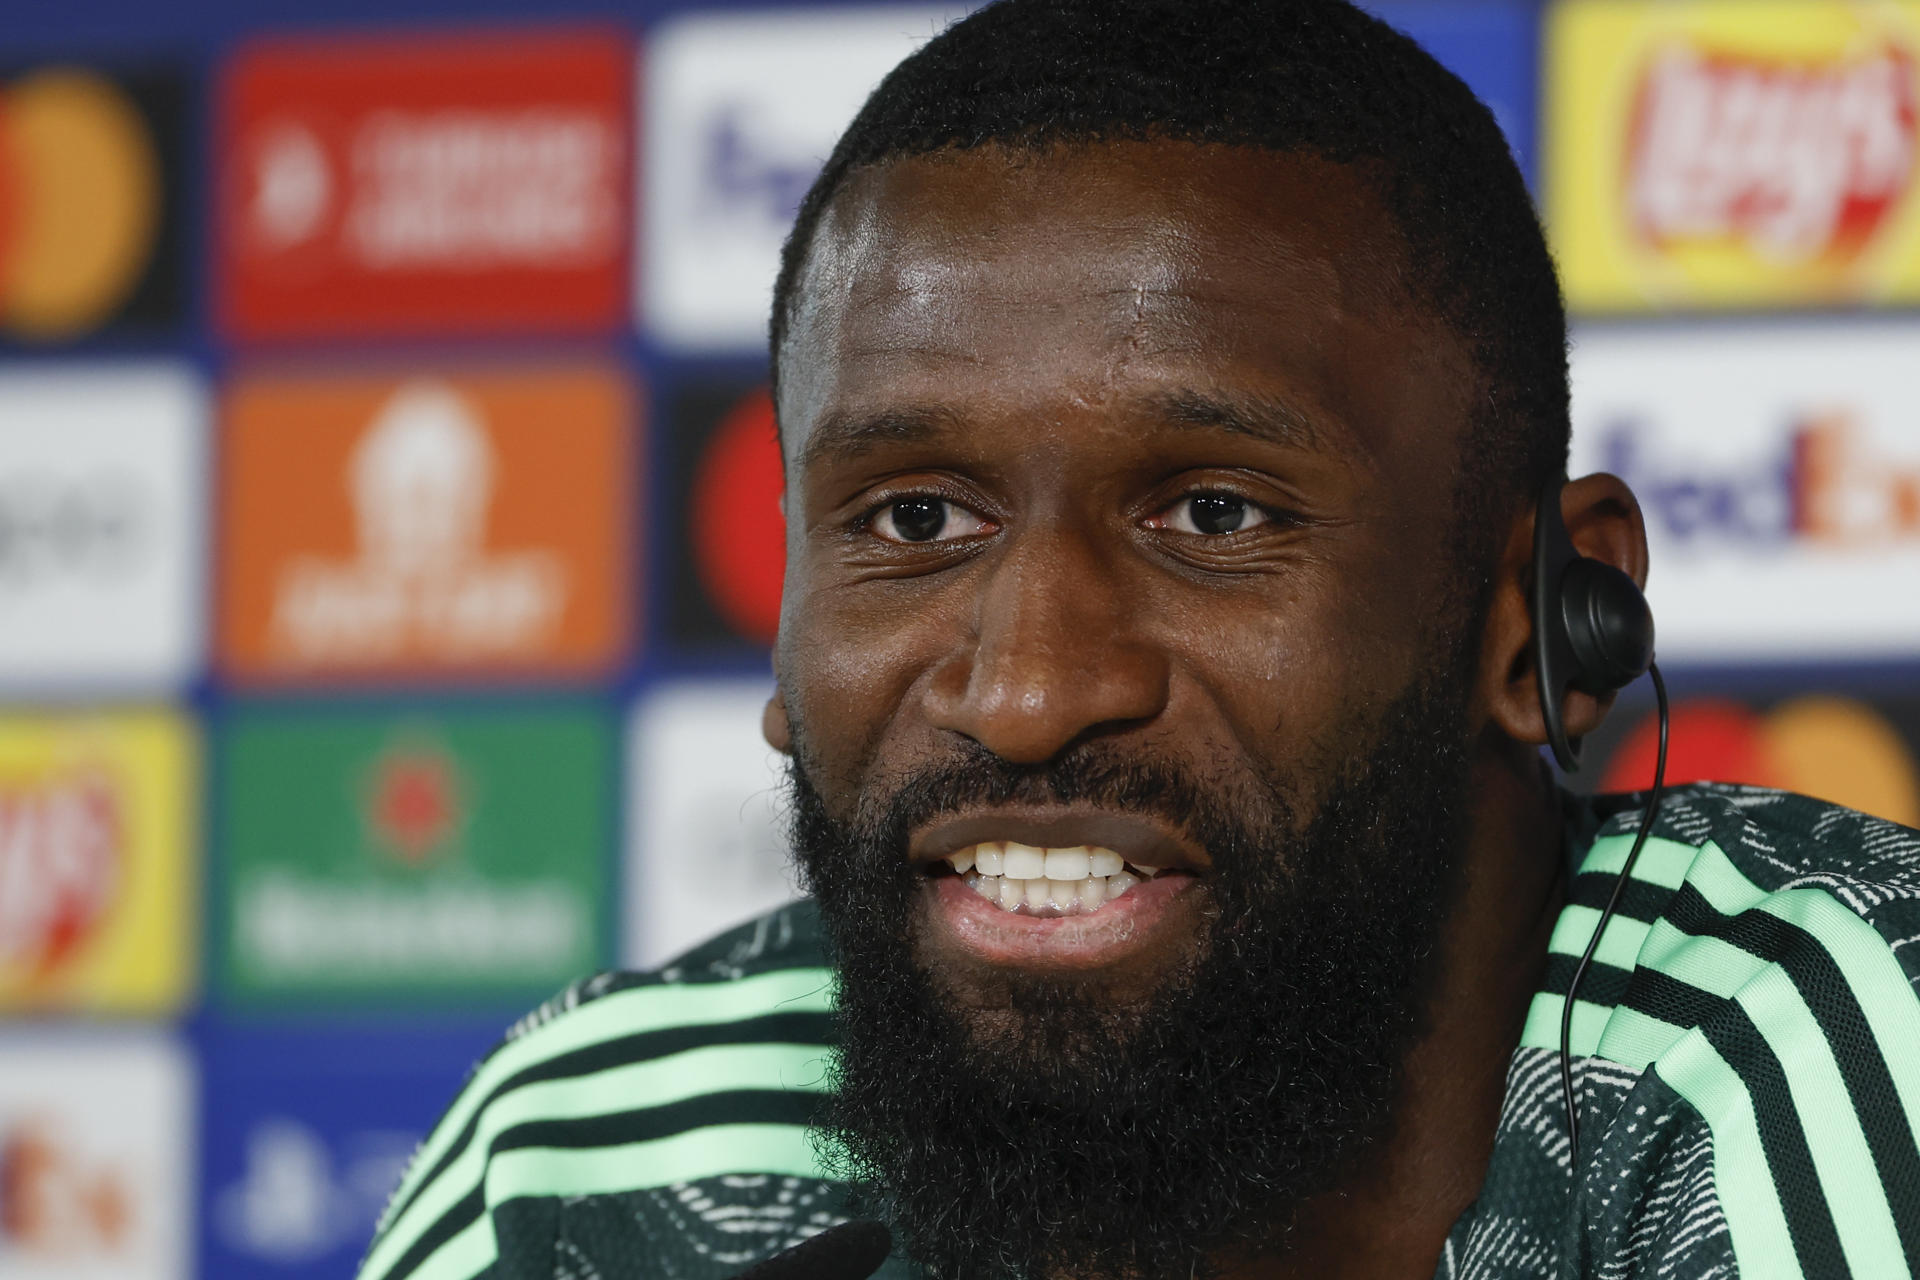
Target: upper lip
1140, 839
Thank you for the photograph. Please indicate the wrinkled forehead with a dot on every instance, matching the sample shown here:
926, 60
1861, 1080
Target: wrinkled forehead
1068, 267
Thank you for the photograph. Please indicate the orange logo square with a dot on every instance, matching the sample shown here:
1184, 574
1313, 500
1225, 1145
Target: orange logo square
450, 523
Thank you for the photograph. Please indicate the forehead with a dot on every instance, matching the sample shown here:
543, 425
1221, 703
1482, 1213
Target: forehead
1079, 272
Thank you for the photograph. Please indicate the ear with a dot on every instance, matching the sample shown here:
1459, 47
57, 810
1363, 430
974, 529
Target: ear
774, 726
1603, 519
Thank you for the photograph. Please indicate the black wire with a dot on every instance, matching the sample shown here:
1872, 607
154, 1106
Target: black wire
1593, 943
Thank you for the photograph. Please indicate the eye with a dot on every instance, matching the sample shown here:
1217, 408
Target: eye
925, 519
1212, 514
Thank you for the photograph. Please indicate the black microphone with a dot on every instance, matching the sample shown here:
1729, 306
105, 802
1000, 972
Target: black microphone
853, 1250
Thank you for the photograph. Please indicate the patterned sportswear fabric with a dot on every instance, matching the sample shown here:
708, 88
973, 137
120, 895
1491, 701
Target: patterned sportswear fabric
1747, 1064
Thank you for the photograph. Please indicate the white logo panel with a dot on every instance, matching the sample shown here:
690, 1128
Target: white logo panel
102, 518
706, 821
95, 1138
1779, 470
740, 111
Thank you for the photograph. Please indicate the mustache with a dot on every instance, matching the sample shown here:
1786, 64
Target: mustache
1093, 774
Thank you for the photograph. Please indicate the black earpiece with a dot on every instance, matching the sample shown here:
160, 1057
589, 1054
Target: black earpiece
1592, 629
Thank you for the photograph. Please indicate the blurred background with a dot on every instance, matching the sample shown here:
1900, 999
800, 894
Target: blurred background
388, 550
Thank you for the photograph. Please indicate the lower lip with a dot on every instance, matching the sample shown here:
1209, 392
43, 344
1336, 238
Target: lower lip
998, 936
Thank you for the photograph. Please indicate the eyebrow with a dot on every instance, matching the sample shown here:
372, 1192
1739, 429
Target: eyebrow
843, 437
1255, 416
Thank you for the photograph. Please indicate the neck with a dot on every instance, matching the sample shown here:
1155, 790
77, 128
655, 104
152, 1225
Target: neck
1391, 1217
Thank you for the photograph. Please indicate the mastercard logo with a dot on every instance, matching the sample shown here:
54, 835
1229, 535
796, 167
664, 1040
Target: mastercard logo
738, 536
1835, 749
80, 202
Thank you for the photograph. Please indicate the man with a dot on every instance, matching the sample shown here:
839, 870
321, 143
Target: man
1165, 388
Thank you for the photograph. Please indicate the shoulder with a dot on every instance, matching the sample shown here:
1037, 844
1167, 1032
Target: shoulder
622, 1082
1755, 996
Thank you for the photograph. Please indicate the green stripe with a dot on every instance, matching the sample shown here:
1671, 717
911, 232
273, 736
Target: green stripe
1762, 1245
779, 1149
1542, 1029
622, 1013
1714, 965
713, 1069
1663, 862
1634, 1039
1866, 961
460, 1258
1827, 1117
1574, 929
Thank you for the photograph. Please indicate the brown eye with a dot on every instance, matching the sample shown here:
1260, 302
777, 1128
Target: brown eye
1214, 514
924, 519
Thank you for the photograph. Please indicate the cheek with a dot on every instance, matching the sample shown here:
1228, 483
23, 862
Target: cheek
849, 660
1291, 670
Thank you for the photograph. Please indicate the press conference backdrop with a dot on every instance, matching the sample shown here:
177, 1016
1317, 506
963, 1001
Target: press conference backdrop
388, 545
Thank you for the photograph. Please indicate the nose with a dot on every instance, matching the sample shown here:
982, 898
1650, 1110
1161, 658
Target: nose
1055, 653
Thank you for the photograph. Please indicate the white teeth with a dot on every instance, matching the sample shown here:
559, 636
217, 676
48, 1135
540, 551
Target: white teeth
1093, 893
1024, 862
1068, 864
1034, 881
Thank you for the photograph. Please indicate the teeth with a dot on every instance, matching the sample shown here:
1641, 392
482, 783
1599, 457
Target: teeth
1069, 864
1034, 881
1024, 862
1093, 893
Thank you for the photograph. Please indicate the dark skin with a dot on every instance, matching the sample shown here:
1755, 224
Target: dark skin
1190, 451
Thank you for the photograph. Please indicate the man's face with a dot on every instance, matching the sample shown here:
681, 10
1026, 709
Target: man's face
1120, 488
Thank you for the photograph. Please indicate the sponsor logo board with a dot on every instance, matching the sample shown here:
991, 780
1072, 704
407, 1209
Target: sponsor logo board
1732, 153
307, 1135
726, 557
101, 526
409, 857
706, 843
1859, 751
740, 110
473, 524
1778, 468
91, 231
98, 862
96, 1157
407, 184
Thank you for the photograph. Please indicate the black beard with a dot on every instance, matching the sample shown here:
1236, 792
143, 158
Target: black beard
1164, 1139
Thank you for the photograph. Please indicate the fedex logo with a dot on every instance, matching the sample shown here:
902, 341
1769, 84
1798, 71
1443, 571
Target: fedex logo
1823, 483
744, 174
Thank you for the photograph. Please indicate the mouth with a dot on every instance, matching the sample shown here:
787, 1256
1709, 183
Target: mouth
1077, 888
1046, 882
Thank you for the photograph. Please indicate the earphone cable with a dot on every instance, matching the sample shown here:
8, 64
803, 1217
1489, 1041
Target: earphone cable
1593, 943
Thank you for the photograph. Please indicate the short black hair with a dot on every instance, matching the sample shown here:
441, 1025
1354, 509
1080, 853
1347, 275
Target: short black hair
1315, 76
